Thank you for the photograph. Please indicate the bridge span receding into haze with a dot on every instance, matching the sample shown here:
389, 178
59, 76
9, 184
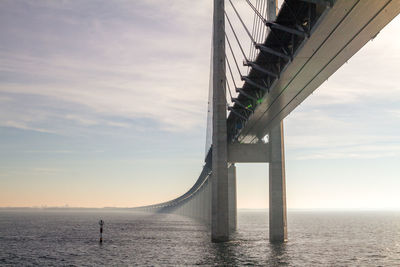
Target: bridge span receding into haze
293, 52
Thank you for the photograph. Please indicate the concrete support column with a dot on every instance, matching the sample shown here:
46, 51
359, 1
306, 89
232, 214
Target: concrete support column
204, 206
194, 202
201, 204
209, 198
277, 186
232, 198
220, 208
196, 206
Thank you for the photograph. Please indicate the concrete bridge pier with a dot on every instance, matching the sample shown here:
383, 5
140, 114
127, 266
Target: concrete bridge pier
208, 203
277, 183
277, 186
232, 198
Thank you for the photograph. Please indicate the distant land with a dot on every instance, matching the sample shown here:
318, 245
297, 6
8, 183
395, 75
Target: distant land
64, 208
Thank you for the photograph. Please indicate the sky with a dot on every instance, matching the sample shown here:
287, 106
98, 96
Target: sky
104, 104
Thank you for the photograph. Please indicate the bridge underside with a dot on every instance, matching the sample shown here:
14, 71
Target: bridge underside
340, 29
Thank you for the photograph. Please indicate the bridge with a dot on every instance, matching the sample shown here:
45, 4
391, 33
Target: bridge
293, 51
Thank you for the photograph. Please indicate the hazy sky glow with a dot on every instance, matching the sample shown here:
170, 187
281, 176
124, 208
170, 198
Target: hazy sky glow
103, 103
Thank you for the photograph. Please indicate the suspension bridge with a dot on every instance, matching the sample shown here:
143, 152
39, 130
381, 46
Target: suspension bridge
294, 48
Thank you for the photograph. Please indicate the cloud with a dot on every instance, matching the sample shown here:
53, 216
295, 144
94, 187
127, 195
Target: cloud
81, 120
355, 113
394, 112
126, 60
47, 171
100, 64
342, 131
355, 151
4, 99
370, 75
24, 126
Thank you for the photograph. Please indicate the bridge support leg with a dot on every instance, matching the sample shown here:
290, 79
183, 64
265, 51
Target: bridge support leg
277, 186
232, 198
220, 208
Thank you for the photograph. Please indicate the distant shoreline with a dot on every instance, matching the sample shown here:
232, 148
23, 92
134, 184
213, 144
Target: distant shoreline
133, 209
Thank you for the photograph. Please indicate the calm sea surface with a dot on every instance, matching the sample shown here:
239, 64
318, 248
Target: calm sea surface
70, 238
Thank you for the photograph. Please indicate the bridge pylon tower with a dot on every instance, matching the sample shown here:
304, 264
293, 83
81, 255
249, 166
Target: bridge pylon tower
219, 185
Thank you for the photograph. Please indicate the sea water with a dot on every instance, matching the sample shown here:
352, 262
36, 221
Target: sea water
71, 238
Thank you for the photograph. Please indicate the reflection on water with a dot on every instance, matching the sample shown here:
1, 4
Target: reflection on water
315, 239
278, 255
232, 253
225, 253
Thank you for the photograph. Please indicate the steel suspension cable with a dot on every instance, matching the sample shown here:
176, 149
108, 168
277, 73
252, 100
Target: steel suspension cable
266, 22
229, 88
230, 70
253, 33
256, 11
233, 79
226, 78
233, 55
244, 25
237, 39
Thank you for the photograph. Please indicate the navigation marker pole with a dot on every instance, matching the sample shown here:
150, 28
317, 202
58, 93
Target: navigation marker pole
101, 222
